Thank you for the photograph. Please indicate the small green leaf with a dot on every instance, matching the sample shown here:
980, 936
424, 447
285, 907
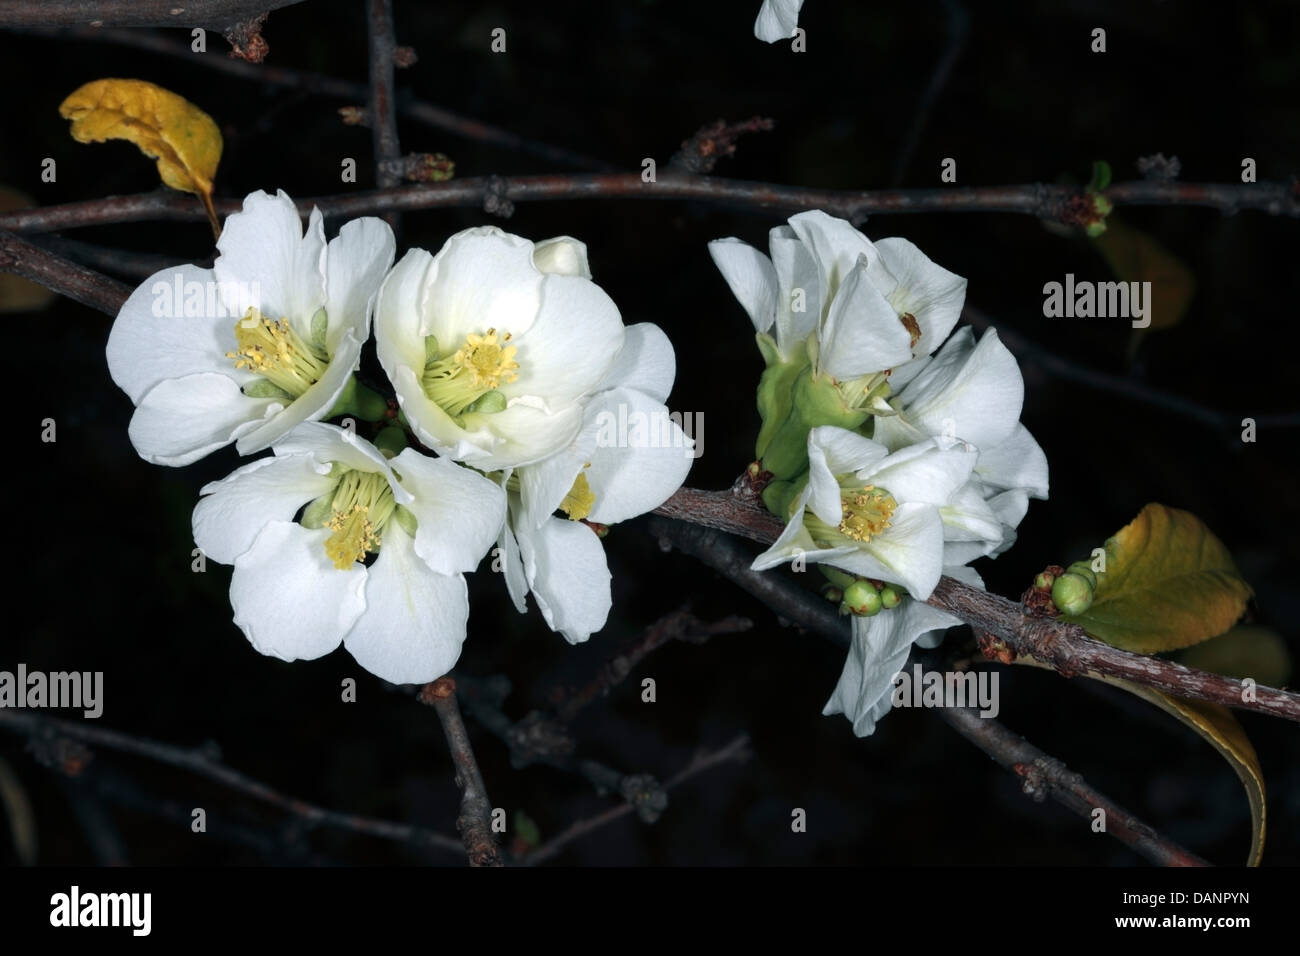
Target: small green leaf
1168, 583
526, 829
1100, 176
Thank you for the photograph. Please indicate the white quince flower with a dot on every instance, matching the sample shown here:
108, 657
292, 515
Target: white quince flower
627, 459
493, 345
777, 20
265, 339
973, 393
879, 650
868, 306
871, 512
300, 587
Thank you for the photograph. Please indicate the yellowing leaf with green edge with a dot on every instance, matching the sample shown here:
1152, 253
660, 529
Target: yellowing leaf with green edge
1245, 651
1168, 583
1220, 729
169, 128
1135, 256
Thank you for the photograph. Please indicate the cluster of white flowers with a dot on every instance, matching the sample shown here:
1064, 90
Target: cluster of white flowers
503, 355
898, 457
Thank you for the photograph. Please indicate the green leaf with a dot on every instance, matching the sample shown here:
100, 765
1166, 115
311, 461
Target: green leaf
1100, 176
1245, 651
526, 829
1168, 583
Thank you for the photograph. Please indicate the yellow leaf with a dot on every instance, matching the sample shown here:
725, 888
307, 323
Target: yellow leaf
1168, 583
1135, 256
1220, 729
1247, 650
169, 128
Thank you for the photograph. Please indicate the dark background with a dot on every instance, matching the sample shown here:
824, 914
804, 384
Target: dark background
99, 559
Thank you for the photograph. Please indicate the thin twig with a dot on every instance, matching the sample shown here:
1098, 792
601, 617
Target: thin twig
738, 749
199, 761
216, 14
679, 625
1057, 203
383, 115
475, 820
83, 285
801, 607
1044, 776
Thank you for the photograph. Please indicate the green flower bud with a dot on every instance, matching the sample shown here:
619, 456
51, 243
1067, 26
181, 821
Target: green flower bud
355, 399
841, 579
1084, 570
831, 593
1071, 593
863, 599
1043, 582
391, 441
889, 597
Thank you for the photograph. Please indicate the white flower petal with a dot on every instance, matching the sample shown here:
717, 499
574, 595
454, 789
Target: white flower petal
751, 277
637, 471
571, 345
460, 512
234, 509
155, 337
977, 400
512, 564
267, 262
327, 443
835, 245
415, 619
646, 362
1017, 462
562, 256
933, 295
799, 303
313, 404
289, 599
909, 552
356, 261
565, 564
398, 339
924, 473
968, 517
844, 451
777, 20
180, 420
863, 333
482, 278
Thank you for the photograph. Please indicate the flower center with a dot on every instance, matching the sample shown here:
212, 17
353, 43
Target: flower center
278, 353
865, 512
578, 502
359, 511
467, 379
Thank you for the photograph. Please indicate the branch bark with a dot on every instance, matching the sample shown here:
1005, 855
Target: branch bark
1042, 201
63, 276
220, 15
383, 115
475, 821
49, 732
1042, 774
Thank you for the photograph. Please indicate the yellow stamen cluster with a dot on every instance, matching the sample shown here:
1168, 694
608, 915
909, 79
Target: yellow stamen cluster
577, 504
481, 365
362, 506
865, 512
274, 350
